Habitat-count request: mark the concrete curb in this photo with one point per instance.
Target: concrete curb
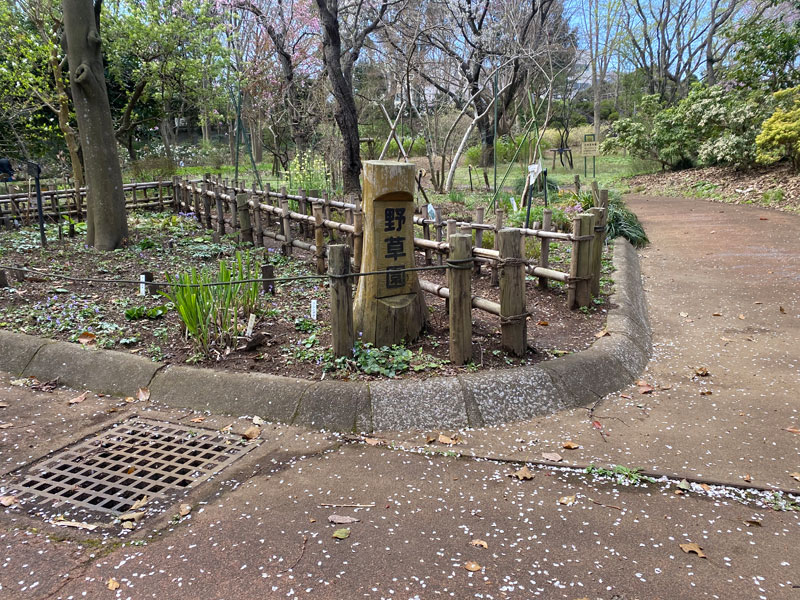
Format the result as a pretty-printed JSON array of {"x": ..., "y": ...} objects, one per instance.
[{"x": 471, "y": 400}]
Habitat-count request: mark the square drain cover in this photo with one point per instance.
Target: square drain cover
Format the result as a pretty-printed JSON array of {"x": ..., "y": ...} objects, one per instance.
[{"x": 139, "y": 457}]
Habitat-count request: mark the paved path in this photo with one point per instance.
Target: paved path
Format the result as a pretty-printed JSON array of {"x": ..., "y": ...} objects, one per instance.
[
  {"x": 260, "y": 530},
  {"x": 742, "y": 264}
]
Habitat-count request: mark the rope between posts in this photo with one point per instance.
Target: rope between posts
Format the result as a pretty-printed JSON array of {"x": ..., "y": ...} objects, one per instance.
[
  {"x": 451, "y": 264},
  {"x": 514, "y": 318}
]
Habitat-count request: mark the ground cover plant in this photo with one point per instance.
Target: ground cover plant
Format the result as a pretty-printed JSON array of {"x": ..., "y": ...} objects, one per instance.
[{"x": 208, "y": 325}]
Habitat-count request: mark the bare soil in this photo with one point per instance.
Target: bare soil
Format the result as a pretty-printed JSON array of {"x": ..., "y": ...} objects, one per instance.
[{"x": 292, "y": 344}]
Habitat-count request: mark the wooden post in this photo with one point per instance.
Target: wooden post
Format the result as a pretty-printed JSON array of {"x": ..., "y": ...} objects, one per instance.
[
  {"x": 438, "y": 226},
  {"x": 160, "y": 193},
  {"x": 319, "y": 239},
  {"x": 544, "y": 256},
  {"x": 426, "y": 233},
  {"x": 286, "y": 224},
  {"x": 351, "y": 220},
  {"x": 206, "y": 204},
  {"x": 577, "y": 184},
  {"x": 479, "y": 214},
  {"x": 258, "y": 236},
  {"x": 302, "y": 209},
  {"x": 578, "y": 293},
  {"x": 133, "y": 196},
  {"x": 220, "y": 211},
  {"x": 268, "y": 272},
  {"x": 358, "y": 239},
  {"x": 452, "y": 228},
  {"x": 513, "y": 311},
  {"x": 268, "y": 202},
  {"x": 596, "y": 252},
  {"x": 459, "y": 280},
  {"x": 245, "y": 228},
  {"x": 342, "y": 330},
  {"x": 3, "y": 279},
  {"x": 495, "y": 280},
  {"x": 327, "y": 214},
  {"x": 196, "y": 203},
  {"x": 389, "y": 308},
  {"x": 175, "y": 187}
]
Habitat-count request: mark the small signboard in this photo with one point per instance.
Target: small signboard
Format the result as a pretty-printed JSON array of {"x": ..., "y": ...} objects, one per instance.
[
  {"x": 534, "y": 171},
  {"x": 590, "y": 148}
]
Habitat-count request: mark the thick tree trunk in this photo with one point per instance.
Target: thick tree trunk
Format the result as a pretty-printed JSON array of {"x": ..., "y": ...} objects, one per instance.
[
  {"x": 107, "y": 227},
  {"x": 346, "y": 114}
]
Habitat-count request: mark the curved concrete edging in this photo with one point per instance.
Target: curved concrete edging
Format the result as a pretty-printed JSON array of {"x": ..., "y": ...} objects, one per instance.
[{"x": 470, "y": 400}]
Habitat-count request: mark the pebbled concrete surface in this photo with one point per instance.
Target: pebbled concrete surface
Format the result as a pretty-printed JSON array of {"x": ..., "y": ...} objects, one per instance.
[{"x": 740, "y": 262}]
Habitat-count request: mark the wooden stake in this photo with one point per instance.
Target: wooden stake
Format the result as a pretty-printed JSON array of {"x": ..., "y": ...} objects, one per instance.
[
  {"x": 206, "y": 204},
  {"x": 245, "y": 227},
  {"x": 341, "y": 301},
  {"x": 358, "y": 239},
  {"x": 495, "y": 280},
  {"x": 596, "y": 251},
  {"x": 544, "y": 256},
  {"x": 513, "y": 317},
  {"x": 220, "y": 211},
  {"x": 286, "y": 223},
  {"x": 268, "y": 272},
  {"x": 479, "y": 214},
  {"x": 460, "y": 282},
  {"x": 319, "y": 239}
]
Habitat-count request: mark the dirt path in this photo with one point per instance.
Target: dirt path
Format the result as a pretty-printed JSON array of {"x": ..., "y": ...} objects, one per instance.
[{"x": 743, "y": 264}]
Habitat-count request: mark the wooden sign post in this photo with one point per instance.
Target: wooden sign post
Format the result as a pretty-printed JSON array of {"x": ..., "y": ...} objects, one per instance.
[{"x": 388, "y": 308}]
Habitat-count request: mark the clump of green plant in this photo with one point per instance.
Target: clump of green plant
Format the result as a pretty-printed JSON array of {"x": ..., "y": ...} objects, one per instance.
[
  {"x": 308, "y": 171},
  {"x": 305, "y": 324},
  {"x": 210, "y": 302},
  {"x": 773, "y": 196},
  {"x": 621, "y": 474},
  {"x": 141, "y": 312},
  {"x": 623, "y": 222},
  {"x": 780, "y": 133},
  {"x": 779, "y": 501}
]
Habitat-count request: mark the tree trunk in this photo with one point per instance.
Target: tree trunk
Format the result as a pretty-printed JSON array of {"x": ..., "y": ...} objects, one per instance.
[
  {"x": 341, "y": 80},
  {"x": 107, "y": 227},
  {"x": 70, "y": 137}
]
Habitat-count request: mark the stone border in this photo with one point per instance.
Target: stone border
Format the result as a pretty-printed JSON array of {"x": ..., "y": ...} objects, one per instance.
[{"x": 470, "y": 400}]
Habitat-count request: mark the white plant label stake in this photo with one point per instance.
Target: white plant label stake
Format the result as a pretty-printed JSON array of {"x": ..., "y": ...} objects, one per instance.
[
  {"x": 141, "y": 285},
  {"x": 250, "y": 324},
  {"x": 314, "y": 310}
]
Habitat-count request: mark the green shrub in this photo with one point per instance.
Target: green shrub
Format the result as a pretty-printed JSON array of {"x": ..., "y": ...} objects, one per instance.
[
  {"x": 308, "y": 172},
  {"x": 780, "y": 133},
  {"x": 623, "y": 222},
  {"x": 211, "y": 313}
]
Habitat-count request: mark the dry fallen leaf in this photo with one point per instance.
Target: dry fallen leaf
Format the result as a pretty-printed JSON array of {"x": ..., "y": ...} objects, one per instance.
[
  {"x": 184, "y": 509},
  {"x": 373, "y": 442},
  {"x": 430, "y": 438},
  {"x": 252, "y": 432},
  {"x": 795, "y": 476},
  {"x": 568, "y": 500},
  {"x": 597, "y": 424},
  {"x": 112, "y": 584},
  {"x": 552, "y": 456},
  {"x": 678, "y": 492},
  {"x": 258, "y": 420},
  {"x": 3, "y": 404},
  {"x": 684, "y": 314},
  {"x": 130, "y": 470},
  {"x": 449, "y": 440},
  {"x": 522, "y": 474},
  {"x": 8, "y": 500},
  {"x": 646, "y": 389},
  {"x": 747, "y": 477},
  {"x": 133, "y": 516},
  {"x": 705, "y": 487},
  {"x": 701, "y": 372},
  {"x": 342, "y": 520},
  {"x": 479, "y": 544},
  {"x": 783, "y": 310},
  {"x": 706, "y": 393},
  {"x": 602, "y": 333},
  {"x": 143, "y": 394},
  {"x": 197, "y": 420},
  {"x": 543, "y": 323},
  {"x": 693, "y": 548},
  {"x": 570, "y": 445},
  {"x": 6, "y": 425},
  {"x": 752, "y": 523},
  {"x": 792, "y": 429},
  {"x": 140, "y": 503},
  {"x": 472, "y": 566},
  {"x": 79, "y": 399},
  {"x": 87, "y": 338},
  {"x": 626, "y": 396},
  {"x": 130, "y": 399},
  {"x": 716, "y": 314},
  {"x": 76, "y": 524}
]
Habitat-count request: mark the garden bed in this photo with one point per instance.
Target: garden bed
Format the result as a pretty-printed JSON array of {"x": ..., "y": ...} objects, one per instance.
[{"x": 285, "y": 340}]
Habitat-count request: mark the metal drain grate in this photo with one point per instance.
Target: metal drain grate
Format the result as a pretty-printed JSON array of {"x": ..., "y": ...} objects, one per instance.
[{"x": 112, "y": 470}]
